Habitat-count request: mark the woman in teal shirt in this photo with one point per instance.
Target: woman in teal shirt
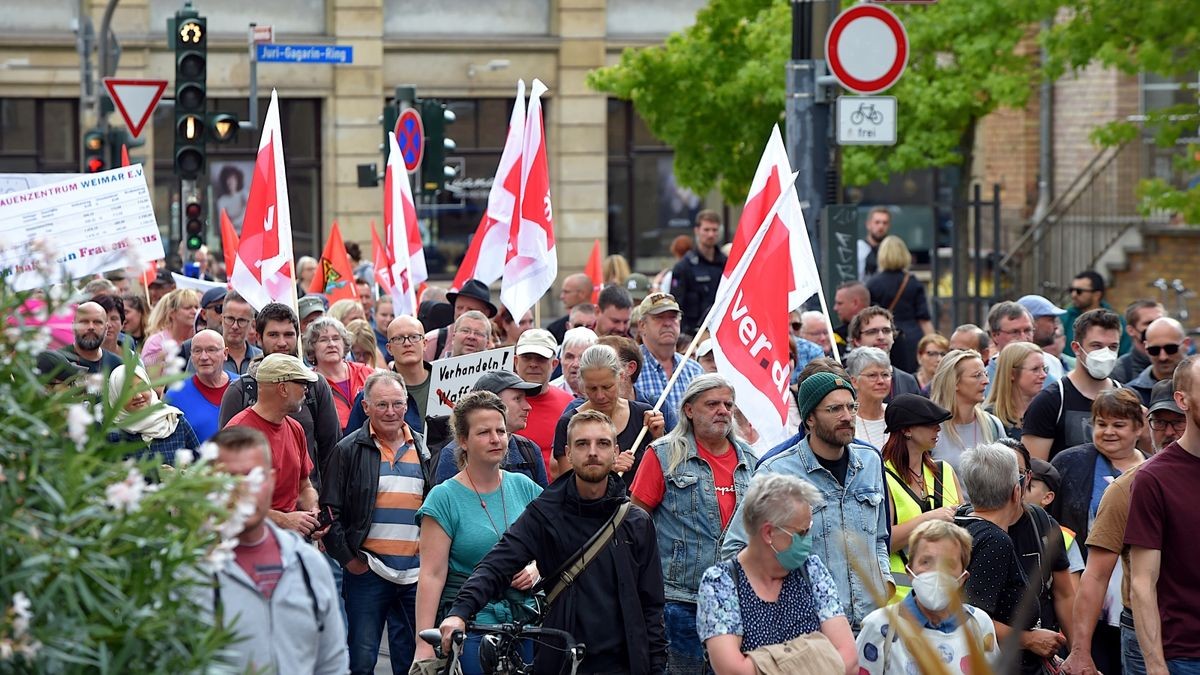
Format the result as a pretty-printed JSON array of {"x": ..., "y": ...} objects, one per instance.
[{"x": 462, "y": 518}]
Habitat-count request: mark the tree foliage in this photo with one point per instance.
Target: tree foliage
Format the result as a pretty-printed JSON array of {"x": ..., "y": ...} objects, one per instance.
[{"x": 713, "y": 90}]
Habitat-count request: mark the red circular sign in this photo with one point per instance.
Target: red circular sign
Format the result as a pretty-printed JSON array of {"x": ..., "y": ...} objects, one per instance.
[
  {"x": 410, "y": 136},
  {"x": 867, "y": 49}
]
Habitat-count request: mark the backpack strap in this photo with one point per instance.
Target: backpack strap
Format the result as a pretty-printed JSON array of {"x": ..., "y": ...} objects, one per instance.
[
  {"x": 443, "y": 333},
  {"x": 312, "y": 595},
  {"x": 899, "y": 292},
  {"x": 579, "y": 562},
  {"x": 938, "y": 487}
]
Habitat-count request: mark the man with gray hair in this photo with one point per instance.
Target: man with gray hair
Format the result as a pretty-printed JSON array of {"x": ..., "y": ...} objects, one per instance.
[
  {"x": 575, "y": 342},
  {"x": 472, "y": 331},
  {"x": 850, "y": 532},
  {"x": 814, "y": 327},
  {"x": 970, "y": 336},
  {"x": 996, "y": 581},
  {"x": 1008, "y": 322},
  {"x": 690, "y": 482}
]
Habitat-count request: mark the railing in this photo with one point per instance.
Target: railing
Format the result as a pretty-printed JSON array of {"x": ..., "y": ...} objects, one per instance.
[{"x": 1081, "y": 224}]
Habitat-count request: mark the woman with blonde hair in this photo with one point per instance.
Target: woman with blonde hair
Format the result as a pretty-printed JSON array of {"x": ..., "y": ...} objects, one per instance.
[
  {"x": 958, "y": 386},
  {"x": 364, "y": 348},
  {"x": 172, "y": 319},
  {"x": 1020, "y": 372},
  {"x": 897, "y": 289},
  {"x": 346, "y": 310},
  {"x": 616, "y": 269}
]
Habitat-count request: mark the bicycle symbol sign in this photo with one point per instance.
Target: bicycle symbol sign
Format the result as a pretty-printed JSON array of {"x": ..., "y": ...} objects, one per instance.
[
  {"x": 866, "y": 120},
  {"x": 410, "y": 136}
]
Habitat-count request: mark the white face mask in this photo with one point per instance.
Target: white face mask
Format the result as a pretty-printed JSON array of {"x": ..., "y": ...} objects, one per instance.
[
  {"x": 1100, "y": 363},
  {"x": 935, "y": 588}
]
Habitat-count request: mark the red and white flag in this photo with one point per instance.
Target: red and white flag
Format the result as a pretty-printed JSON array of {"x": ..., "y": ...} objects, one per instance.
[
  {"x": 401, "y": 236},
  {"x": 383, "y": 276},
  {"x": 749, "y": 323},
  {"x": 531, "y": 265},
  {"x": 262, "y": 272},
  {"x": 770, "y": 182},
  {"x": 487, "y": 253}
]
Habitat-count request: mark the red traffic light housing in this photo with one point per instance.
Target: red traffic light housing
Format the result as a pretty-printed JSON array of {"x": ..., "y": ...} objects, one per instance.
[
  {"x": 193, "y": 224},
  {"x": 93, "y": 151}
]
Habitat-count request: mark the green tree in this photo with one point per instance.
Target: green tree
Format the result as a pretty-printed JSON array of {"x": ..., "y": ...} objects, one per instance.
[
  {"x": 1140, "y": 37},
  {"x": 713, "y": 90}
]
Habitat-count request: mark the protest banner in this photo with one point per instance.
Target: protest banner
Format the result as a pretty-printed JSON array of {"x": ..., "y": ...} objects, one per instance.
[
  {"x": 452, "y": 377},
  {"x": 80, "y": 226},
  {"x": 183, "y": 281}
]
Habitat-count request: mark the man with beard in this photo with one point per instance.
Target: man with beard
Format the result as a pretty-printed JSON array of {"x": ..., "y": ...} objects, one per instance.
[
  {"x": 1166, "y": 343},
  {"x": 91, "y": 324},
  {"x": 659, "y": 328},
  {"x": 691, "y": 482},
  {"x": 615, "y": 605},
  {"x": 850, "y": 532}
]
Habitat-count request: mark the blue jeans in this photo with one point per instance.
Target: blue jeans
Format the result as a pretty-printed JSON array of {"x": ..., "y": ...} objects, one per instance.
[
  {"x": 1131, "y": 651},
  {"x": 370, "y": 600},
  {"x": 1184, "y": 666},
  {"x": 685, "y": 654}
]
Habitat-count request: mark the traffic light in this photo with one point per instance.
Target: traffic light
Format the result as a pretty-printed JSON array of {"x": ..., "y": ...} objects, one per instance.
[
  {"x": 190, "y": 36},
  {"x": 223, "y": 127},
  {"x": 435, "y": 116},
  {"x": 94, "y": 160},
  {"x": 193, "y": 223},
  {"x": 120, "y": 136}
]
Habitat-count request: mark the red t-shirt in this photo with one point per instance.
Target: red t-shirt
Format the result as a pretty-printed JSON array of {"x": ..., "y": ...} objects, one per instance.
[
  {"x": 262, "y": 563},
  {"x": 545, "y": 409},
  {"x": 1162, "y": 516},
  {"x": 649, "y": 484},
  {"x": 289, "y": 455},
  {"x": 211, "y": 394}
]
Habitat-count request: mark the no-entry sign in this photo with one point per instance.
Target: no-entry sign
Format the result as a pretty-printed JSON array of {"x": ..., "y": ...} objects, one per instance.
[{"x": 867, "y": 49}]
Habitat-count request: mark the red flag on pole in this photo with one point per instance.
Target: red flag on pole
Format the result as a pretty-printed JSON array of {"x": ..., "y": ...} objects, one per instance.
[
  {"x": 229, "y": 243},
  {"x": 262, "y": 272},
  {"x": 532, "y": 261},
  {"x": 487, "y": 253},
  {"x": 595, "y": 271},
  {"x": 124, "y": 155},
  {"x": 335, "y": 275}
]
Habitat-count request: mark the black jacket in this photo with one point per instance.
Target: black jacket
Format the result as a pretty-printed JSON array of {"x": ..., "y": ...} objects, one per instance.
[
  {"x": 615, "y": 607},
  {"x": 351, "y": 486},
  {"x": 1130, "y": 366},
  {"x": 694, "y": 281},
  {"x": 1073, "y": 499}
]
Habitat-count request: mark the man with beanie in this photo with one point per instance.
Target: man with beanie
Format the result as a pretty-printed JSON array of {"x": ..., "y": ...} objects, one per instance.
[{"x": 850, "y": 532}]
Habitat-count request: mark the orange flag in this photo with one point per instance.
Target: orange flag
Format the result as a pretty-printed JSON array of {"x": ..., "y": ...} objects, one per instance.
[
  {"x": 595, "y": 270},
  {"x": 229, "y": 242},
  {"x": 124, "y": 155},
  {"x": 335, "y": 276}
]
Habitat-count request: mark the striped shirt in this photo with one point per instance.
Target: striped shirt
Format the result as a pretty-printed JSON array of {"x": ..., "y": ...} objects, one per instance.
[
  {"x": 392, "y": 542},
  {"x": 653, "y": 379}
]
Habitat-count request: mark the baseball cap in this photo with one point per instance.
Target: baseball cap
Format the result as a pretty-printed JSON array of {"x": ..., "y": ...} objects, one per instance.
[
  {"x": 1045, "y": 472},
  {"x": 212, "y": 295},
  {"x": 55, "y": 368},
  {"x": 1162, "y": 397},
  {"x": 309, "y": 304},
  {"x": 283, "y": 368},
  {"x": 497, "y": 381},
  {"x": 537, "y": 341},
  {"x": 163, "y": 278},
  {"x": 638, "y": 286},
  {"x": 705, "y": 348},
  {"x": 1040, "y": 306},
  {"x": 657, "y": 303}
]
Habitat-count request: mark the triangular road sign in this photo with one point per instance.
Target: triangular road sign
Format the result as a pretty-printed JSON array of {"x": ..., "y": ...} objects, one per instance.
[{"x": 135, "y": 100}]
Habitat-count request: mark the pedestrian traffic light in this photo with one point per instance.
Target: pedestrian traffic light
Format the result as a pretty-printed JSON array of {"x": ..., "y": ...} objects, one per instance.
[
  {"x": 435, "y": 117},
  {"x": 94, "y": 160},
  {"x": 190, "y": 34},
  {"x": 193, "y": 223}
]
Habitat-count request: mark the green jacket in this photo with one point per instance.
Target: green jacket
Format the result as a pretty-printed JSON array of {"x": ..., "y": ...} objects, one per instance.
[{"x": 1073, "y": 313}]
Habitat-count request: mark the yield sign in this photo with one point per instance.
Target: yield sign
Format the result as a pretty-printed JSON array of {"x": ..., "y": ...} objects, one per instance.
[
  {"x": 410, "y": 136},
  {"x": 135, "y": 100}
]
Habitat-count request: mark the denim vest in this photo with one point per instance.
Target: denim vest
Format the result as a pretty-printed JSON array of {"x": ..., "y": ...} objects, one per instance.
[
  {"x": 851, "y": 524},
  {"x": 688, "y": 520}
]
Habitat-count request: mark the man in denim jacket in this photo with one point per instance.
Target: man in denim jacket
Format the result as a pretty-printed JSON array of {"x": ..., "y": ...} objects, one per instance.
[
  {"x": 850, "y": 528},
  {"x": 691, "y": 481}
]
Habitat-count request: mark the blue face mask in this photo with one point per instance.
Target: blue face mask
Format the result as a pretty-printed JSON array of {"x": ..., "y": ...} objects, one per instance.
[{"x": 794, "y": 555}]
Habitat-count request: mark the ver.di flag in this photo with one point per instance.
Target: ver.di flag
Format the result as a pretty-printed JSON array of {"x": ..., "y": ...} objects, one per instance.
[
  {"x": 487, "y": 253},
  {"x": 749, "y": 324},
  {"x": 262, "y": 272},
  {"x": 335, "y": 277},
  {"x": 532, "y": 263}
]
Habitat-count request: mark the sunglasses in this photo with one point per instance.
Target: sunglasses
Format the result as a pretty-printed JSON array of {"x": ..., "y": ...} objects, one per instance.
[
  {"x": 1171, "y": 349},
  {"x": 1078, "y": 291},
  {"x": 796, "y": 325}
]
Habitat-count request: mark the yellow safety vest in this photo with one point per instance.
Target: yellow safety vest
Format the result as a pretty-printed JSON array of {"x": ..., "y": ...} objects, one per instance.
[{"x": 906, "y": 506}]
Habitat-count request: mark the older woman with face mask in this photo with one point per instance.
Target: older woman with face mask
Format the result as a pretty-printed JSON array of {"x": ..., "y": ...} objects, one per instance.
[
  {"x": 161, "y": 429},
  {"x": 934, "y": 613},
  {"x": 774, "y": 591}
]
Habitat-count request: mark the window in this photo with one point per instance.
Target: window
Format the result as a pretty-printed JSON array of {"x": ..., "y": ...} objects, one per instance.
[
  {"x": 1160, "y": 92},
  {"x": 39, "y": 135}
]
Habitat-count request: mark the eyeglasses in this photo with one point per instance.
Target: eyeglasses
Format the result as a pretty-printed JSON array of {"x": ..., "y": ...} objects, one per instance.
[
  {"x": 875, "y": 377},
  {"x": 472, "y": 331},
  {"x": 1160, "y": 424},
  {"x": 978, "y": 375},
  {"x": 208, "y": 350},
  {"x": 1017, "y": 332},
  {"x": 936, "y": 354},
  {"x": 838, "y": 409},
  {"x": 328, "y": 340},
  {"x": 406, "y": 339},
  {"x": 872, "y": 332},
  {"x": 234, "y": 321},
  {"x": 1170, "y": 349},
  {"x": 384, "y": 406},
  {"x": 1035, "y": 369},
  {"x": 1078, "y": 291},
  {"x": 216, "y": 308}
]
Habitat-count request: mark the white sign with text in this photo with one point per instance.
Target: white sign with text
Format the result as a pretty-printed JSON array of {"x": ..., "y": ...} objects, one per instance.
[{"x": 452, "y": 377}]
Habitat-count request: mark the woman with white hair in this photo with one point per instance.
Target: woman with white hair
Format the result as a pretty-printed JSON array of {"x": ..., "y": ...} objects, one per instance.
[
  {"x": 161, "y": 429},
  {"x": 775, "y": 591},
  {"x": 870, "y": 370},
  {"x": 326, "y": 343}
]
